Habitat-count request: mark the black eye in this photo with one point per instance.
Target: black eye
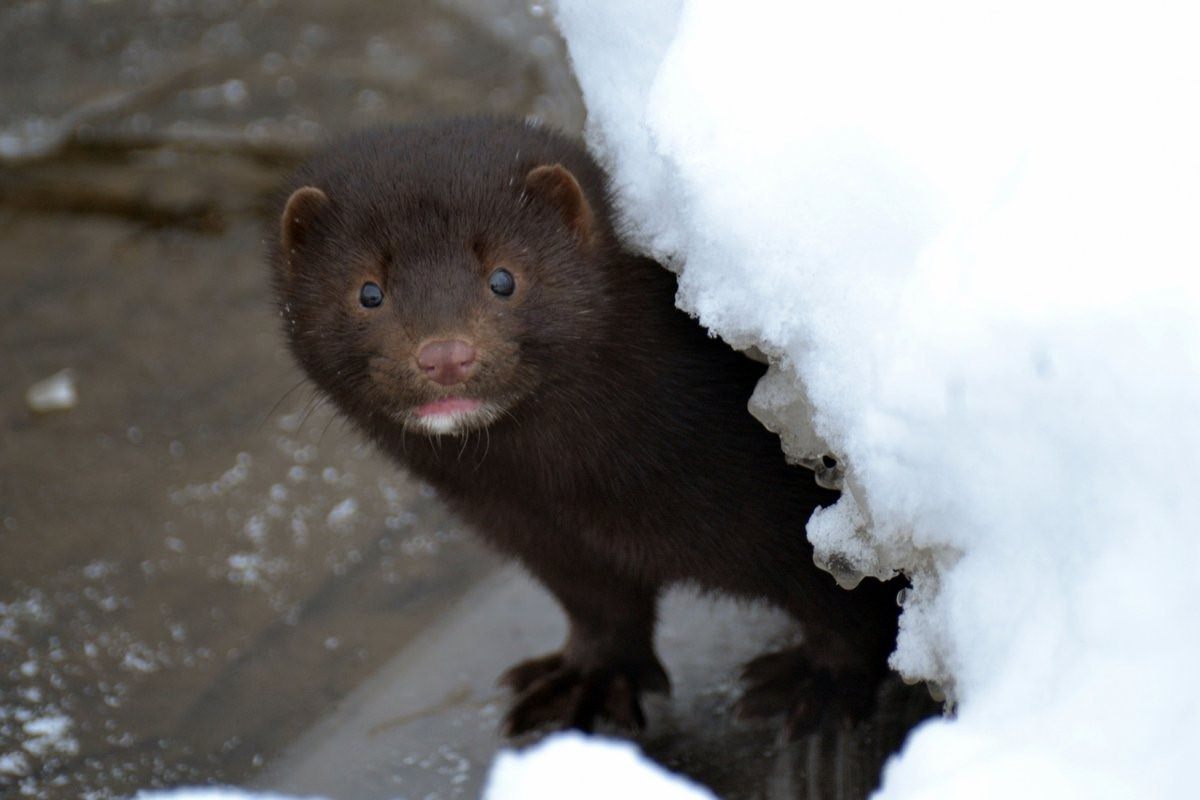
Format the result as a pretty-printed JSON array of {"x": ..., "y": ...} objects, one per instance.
[
  {"x": 502, "y": 282},
  {"x": 370, "y": 295}
]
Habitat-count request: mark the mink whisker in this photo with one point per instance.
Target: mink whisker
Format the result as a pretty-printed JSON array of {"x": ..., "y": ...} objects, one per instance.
[
  {"x": 278, "y": 403},
  {"x": 315, "y": 401},
  {"x": 332, "y": 417}
]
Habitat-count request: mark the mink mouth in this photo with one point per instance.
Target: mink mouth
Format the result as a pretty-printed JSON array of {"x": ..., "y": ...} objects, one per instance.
[
  {"x": 425, "y": 409},
  {"x": 453, "y": 415},
  {"x": 448, "y": 406}
]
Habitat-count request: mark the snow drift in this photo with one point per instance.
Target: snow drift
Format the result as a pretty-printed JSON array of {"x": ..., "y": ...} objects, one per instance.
[{"x": 966, "y": 237}]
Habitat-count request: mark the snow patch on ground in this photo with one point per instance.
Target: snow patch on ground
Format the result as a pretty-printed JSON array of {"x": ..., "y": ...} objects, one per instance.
[
  {"x": 584, "y": 768},
  {"x": 50, "y": 733},
  {"x": 965, "y": 239},
  {"x": 342, "y": 515}
]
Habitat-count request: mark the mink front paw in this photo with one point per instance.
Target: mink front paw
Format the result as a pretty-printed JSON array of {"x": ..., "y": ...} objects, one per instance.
[
  {"x": 787, "y": 683},
  {"x": 553, "y": 691}
]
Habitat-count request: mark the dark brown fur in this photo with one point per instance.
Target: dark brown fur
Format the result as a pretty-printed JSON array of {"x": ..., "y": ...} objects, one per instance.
[{"x": 624, "y": 460}]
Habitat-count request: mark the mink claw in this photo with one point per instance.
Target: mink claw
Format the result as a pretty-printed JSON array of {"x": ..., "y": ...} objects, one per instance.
[
  {"x": 522, "y": 675},
  {"x": 786, "y": 684},
  {"x": 651, "y": 677},
  {"x": 552, "y": 693},
  {"x": 549, "y": 701}
]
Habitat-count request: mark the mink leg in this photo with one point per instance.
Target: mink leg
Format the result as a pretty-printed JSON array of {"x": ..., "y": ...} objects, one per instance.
[{"x": 606, "y": 663}]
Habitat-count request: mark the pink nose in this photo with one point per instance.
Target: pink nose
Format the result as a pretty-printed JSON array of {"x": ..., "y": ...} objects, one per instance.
[{"x": 447, "y": 362}]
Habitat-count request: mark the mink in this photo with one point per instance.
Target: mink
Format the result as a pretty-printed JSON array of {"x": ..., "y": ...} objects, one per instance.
[{"x": 460, "y": 290}]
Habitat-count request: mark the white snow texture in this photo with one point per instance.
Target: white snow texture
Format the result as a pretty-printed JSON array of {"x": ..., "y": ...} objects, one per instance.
[
  {"x": 584, "y": 768},
  {"x": 966, "y": 236}
]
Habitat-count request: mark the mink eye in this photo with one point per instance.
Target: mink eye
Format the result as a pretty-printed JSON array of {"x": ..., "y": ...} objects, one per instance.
[
  {"x": 502, "y": 282},
  {"x": 370, "y": 295}
]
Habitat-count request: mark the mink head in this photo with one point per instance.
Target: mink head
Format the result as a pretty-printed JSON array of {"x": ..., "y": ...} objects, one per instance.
[{"x": 438, "y": 277}]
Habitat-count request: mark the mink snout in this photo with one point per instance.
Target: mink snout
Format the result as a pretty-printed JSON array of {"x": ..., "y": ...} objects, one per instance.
[{"x": 448, "y": 362}]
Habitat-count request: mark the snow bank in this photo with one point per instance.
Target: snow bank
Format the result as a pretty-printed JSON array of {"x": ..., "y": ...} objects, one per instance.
[
  {"x": 584, "y": 768},
  {"x": 966, "y": 237}
]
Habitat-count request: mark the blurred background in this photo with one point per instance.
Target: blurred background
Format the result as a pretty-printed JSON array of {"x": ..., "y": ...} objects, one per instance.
[
  {"x": 204, "y": 576},
  {"x": 196, "y": 560}
]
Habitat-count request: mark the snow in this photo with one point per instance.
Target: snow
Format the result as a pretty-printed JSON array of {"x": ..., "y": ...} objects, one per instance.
[
  {"x": 341, "y": 516},
  {"x": 14, "y": 764},
  {"x": 964, "y": 235},
  {"x": 50, "y": 733},
  {"x": 56, "y": 393},
  {"x": 584, "y": 768}
]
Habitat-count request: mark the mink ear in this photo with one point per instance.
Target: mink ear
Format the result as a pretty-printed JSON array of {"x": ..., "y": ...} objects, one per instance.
[
  {"x": 297, "y": 220},
  {"x": 556, "y": 184}
]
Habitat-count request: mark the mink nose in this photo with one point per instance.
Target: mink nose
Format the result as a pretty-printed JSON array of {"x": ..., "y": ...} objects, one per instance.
[{"x": 447, "y": 361}]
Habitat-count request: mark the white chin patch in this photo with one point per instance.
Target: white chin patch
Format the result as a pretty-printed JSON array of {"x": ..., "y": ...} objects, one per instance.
[{"x": 454, "y": 422}]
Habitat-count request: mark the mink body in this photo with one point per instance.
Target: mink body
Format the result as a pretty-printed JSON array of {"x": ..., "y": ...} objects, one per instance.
[{"x": 578, "y": 420}]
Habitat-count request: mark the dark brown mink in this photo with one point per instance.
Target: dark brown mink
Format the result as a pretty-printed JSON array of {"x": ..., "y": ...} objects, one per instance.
[{"x": 458, "y": 289}]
